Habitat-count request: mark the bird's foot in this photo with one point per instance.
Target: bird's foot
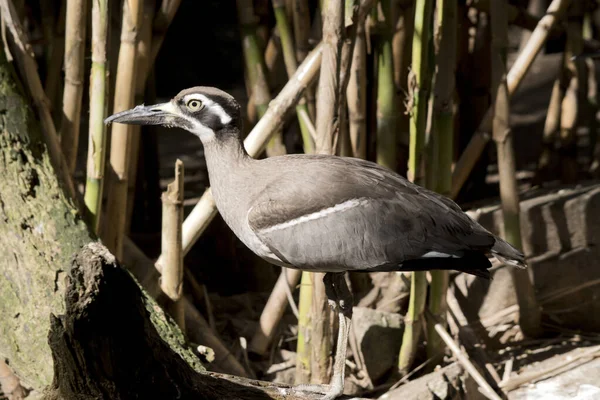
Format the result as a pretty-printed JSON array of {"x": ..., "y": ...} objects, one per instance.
[{"x": 319, "y": 392}]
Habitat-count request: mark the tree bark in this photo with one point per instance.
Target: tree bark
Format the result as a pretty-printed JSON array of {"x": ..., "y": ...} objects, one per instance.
[{"x": 114, "y": 342}]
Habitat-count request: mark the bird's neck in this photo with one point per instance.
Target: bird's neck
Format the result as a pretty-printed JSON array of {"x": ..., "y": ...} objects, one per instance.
[{"x": 225, "y": 157}]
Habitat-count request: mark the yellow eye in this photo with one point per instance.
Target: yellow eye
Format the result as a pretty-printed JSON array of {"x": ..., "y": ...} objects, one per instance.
[{"x": 194, "y": 105}]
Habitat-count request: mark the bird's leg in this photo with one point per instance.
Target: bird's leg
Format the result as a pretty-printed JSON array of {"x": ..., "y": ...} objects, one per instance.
[{"x": 339, "y": 297}]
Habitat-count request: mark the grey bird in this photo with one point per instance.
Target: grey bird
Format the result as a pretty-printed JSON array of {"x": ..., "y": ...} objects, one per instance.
[{"x": 324, "y": 213}]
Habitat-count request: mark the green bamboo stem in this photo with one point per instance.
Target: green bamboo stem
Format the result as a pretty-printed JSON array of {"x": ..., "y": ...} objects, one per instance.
[
  {"x": 440, "y": 173},
  {"x": 419, "y": 89},
  {"x": 387, "y": 110},
  {"x": 303, "y": 366},
  {"x": 256, "y": 70},
  {"x": 291, "y": 64},
  {"x": 529, "y": 310},
  {"x": 98, "y": 106}
]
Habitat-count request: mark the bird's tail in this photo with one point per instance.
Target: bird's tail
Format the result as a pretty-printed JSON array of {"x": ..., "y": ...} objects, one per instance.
[{"x": 508, "y": 254}]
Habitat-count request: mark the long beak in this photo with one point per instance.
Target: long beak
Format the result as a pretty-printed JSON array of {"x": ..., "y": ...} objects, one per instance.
[{"x": 157, "y": 114}]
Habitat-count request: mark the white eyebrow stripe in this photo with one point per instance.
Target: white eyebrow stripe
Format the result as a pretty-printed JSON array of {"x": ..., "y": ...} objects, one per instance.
[{"x": 208, "y": 103}]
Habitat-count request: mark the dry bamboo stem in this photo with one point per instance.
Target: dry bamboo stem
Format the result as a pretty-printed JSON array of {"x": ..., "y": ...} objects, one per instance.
[
  {"x": 10, "y": 385},
  {"x": 329, "y": 80},
  {"x": 356, "y": 95},
  {"x": 442, "y": 148},
  {"x": 551, "y": 127},
  {"x": 172, "y": 219},
  {"x": 256, "y": 70},
  {"x": 97, "y": 130},
  {"x": 273, "y": 311},
  {"x": 144, "y": 51},
  {"x": 116, "y": 208},
  {"x": 73, "y": 90},
  {"x": 530, "y": 313},
  {"x": 571, "y": 107},
  {"x": 463, "y": 358},
  {"x": 326, "y": 142},
  {"x": 28, "y": 70},
  {"x": 515, "y": 76},
  {"x": 171, "y": 280},
  {"x": 255, "y": 142}
]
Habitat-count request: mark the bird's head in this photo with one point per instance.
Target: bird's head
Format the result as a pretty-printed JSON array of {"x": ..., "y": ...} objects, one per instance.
[{"x": 204, "y": 111}]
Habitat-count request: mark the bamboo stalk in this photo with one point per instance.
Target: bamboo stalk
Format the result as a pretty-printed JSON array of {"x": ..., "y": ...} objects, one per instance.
[
  {"x": 419, "y": 89},
  {"x": 73, "y": 90},
  {"x": 162, "y": 21},
  {"x": 53, "y": 79},
  {"x": 289, "y": 57},
  {"x": 571, "y": 107},
  {"x": 116, "y": 208},
  {"x": 356, "y": 95},
  {"x": 328, "y": 94},
  {"x": 442, "y": 142},
  {"x": 551, "y": 128},
  {"x": 144, "y": 52},
  {"x": 329, "y": 80},
  {"x": 387, "y": 109},
  {"x": 171, "y": 280},
  {"x": 273, "y": 311},
  {"x": 94, "y": 185},
  {"x": 255, "y": 70},
  {"x": 303, "y": 350},
  {"x": 530, "y": 313},
  {"x": 28, "y": 70},
  {"x": 302, "y": 31},
  {"x": 403, "y": 12},
  {"x": 472, "y": 152}
]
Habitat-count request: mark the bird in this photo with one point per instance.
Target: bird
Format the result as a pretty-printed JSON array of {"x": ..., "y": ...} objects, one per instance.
[{"x": 324, "y": 213}]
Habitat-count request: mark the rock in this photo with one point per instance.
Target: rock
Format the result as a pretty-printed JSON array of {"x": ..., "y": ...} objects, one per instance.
[
  {"x": 560, "y": 233},
  {"x": 379, "y": 335}
]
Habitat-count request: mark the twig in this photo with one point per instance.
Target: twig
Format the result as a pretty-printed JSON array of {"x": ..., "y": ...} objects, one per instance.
[
  {"x": 28, "y": 70},
  {"x": 462, "y": 358}
]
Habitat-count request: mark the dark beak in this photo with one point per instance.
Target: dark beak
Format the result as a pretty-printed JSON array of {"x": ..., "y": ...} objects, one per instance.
[{"x": 157, "y": 114}]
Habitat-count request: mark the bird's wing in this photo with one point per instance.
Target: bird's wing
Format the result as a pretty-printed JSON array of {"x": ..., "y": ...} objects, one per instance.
[{"x": 333, "y": 213}]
